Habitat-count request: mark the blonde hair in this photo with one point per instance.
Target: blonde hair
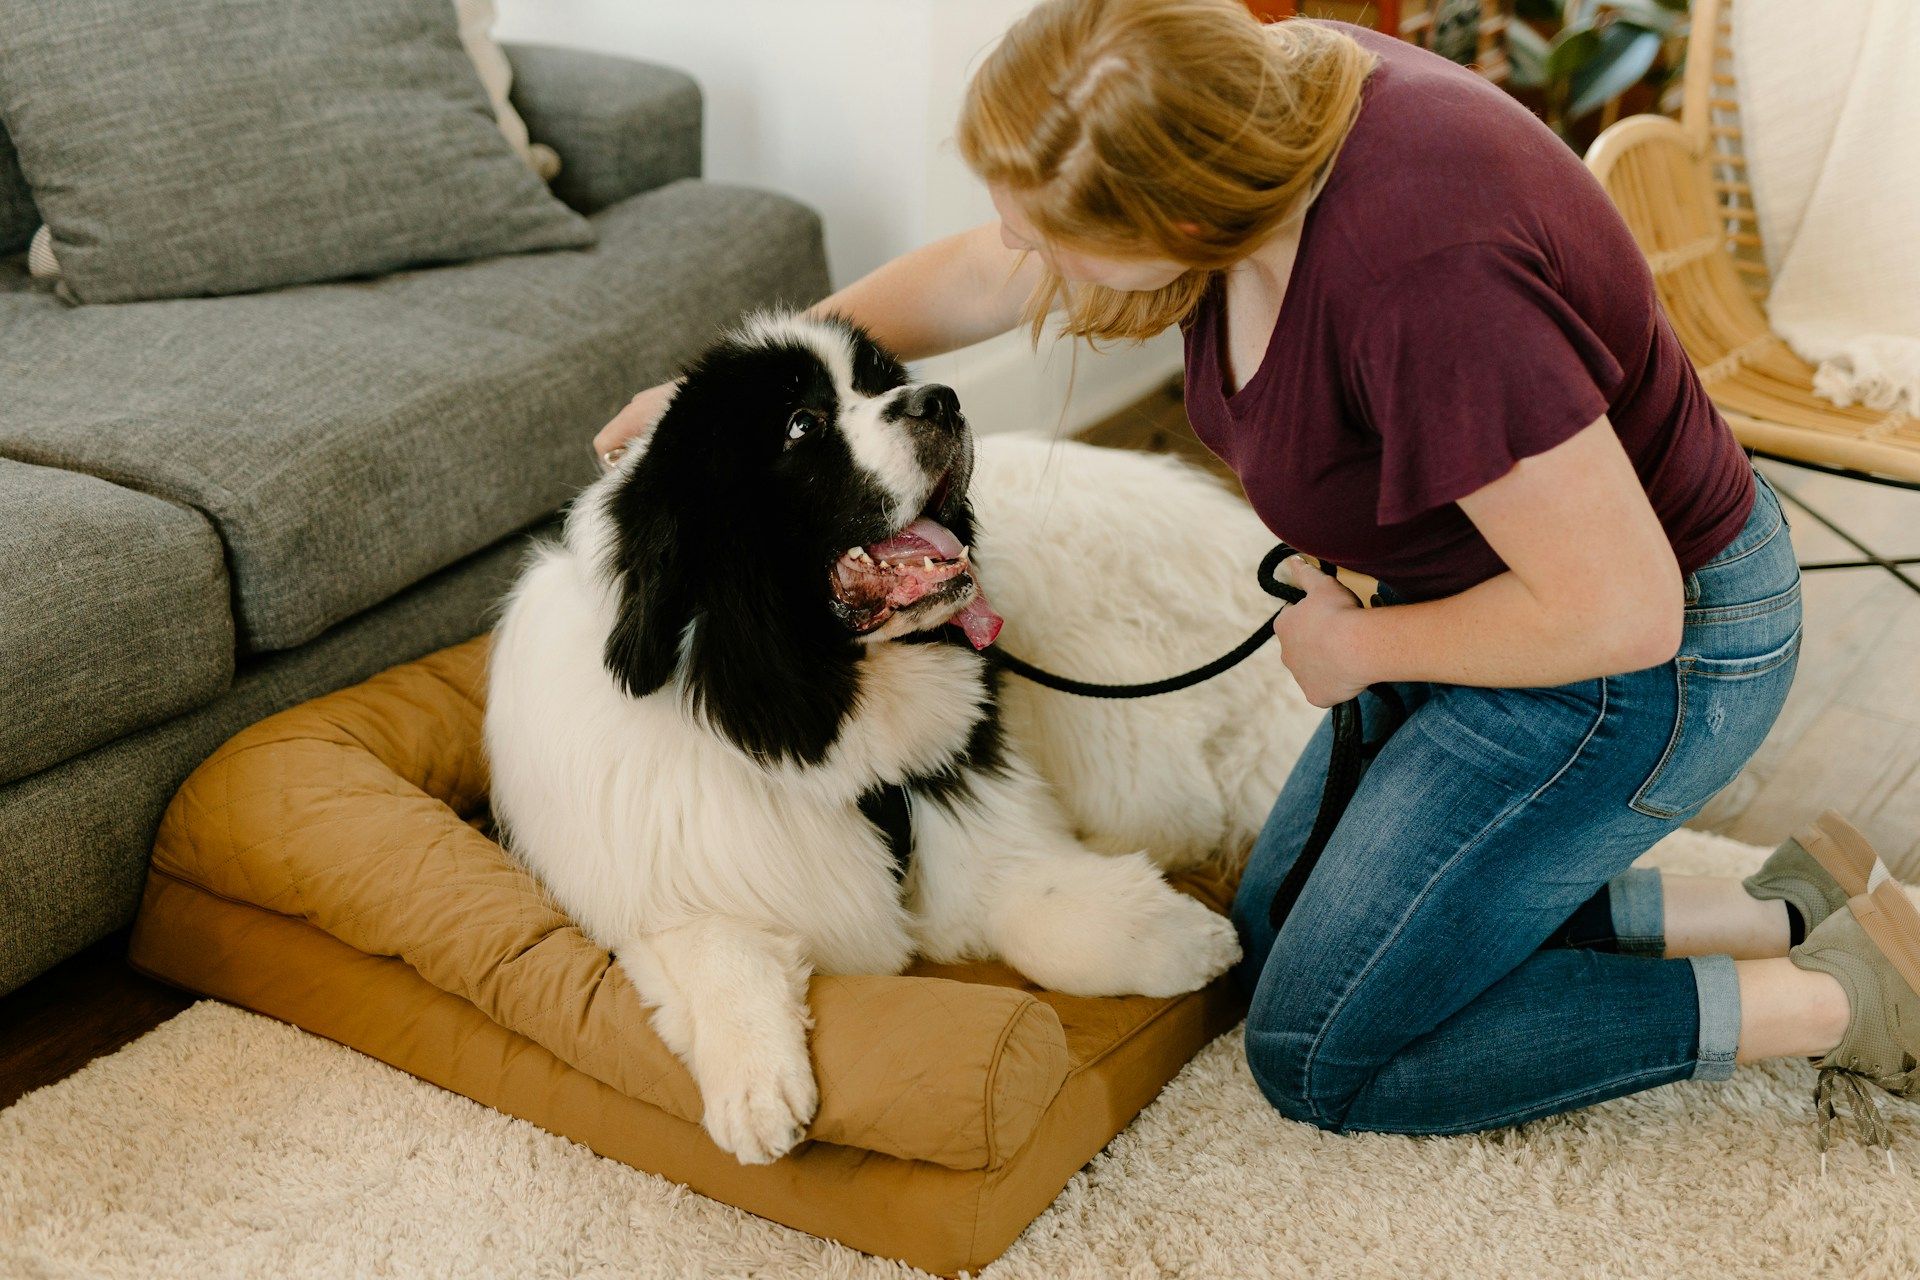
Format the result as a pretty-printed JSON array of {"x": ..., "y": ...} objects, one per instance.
[{"x": 1115, "y": 122}]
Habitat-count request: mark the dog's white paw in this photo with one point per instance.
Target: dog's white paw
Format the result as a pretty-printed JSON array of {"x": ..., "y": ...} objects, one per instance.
[
  {"x": 759, "y": 1104},
  {"x": 1089, "y": 925},
  {"x": 1179, "y": 946}
]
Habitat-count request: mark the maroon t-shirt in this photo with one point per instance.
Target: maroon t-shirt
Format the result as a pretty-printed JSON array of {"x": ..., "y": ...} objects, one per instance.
[{"x": 1464, "y": 296}]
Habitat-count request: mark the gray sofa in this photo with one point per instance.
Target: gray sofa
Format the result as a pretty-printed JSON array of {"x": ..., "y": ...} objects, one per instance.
[{"x": 211, "y": 509}]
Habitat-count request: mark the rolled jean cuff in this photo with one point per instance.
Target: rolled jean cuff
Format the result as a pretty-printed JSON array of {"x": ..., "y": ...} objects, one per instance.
[
  {"x": 1639, "y": 913},
  {"x": 1717, "y": 989}
]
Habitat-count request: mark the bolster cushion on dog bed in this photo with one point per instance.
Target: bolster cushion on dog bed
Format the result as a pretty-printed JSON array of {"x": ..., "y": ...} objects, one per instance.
[{"x": 333, "y": 866}]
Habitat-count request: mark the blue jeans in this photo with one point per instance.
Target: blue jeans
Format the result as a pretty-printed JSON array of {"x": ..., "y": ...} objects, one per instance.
[{"x": 1410, "y": 990}]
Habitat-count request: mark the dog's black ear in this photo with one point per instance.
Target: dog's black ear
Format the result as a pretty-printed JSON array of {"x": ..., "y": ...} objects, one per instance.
[
  {"x": 771, "y": 668},
  {"x": 649, "y": 563}
]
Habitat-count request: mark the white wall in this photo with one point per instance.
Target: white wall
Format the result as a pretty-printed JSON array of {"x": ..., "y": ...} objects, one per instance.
[{"x": 849, "y": 106}]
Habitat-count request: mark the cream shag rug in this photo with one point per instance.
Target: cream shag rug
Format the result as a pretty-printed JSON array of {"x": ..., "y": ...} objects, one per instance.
[{"x": 225, "y": 1144}]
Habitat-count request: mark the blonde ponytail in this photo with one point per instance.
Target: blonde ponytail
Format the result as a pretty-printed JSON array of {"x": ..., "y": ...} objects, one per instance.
[{"x": 1179, "y": 129}]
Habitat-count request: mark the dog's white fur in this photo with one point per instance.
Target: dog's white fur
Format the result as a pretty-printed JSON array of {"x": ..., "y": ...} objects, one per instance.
[
  {"x": 1117, "y": 566},
  {"x": 721, "y": 882}
]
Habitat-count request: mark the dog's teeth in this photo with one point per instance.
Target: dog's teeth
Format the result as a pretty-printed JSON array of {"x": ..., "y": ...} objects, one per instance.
[
  {"x": 926, "y": 562},
  {"x": 853, "y": 553},
  {"x": 964, "y": 551}
]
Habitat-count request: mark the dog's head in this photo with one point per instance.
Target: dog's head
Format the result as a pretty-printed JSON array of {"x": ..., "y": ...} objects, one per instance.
[{"x": 799, "y": 499}]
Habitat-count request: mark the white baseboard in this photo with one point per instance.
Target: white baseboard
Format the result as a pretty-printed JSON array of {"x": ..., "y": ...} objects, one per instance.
[{"x": 1004, "y": 385}]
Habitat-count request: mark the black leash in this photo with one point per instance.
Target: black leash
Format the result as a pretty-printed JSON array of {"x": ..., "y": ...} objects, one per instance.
[
  {"x": 1350, "y": 753},
  {"x": 1269, "y": 583}
]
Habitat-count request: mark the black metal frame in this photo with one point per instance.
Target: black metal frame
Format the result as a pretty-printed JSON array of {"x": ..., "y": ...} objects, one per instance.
[{"x": 1874, "y": 560}]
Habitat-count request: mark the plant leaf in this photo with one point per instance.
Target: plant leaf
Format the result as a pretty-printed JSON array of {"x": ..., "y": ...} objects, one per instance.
[
  {"x": 1651, "y": 14},
  {"x": 1527, "y": 53},
  {"x": 1624, "y": 54},
  {"x": 1571, "y": 50},
  {"x": 1537, "y": 10}
]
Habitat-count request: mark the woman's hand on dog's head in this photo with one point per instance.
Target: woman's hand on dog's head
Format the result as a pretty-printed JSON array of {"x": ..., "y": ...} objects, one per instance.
[{"x": 632, "y": 422}]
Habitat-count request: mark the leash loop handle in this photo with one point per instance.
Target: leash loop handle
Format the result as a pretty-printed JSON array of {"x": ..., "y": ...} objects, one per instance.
[
  {"x": 1269, "y": 575},
  {"x": 1364, "y": 589}
]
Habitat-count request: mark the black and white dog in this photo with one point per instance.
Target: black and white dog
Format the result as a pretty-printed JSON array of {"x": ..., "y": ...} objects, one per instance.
[{"x": 767, "y": 615}]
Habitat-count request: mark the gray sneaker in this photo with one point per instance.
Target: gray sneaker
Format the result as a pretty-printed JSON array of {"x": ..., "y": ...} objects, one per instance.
[
  {"x": 1817, "y": 869},
  {"x": 1873, "y": 950}
]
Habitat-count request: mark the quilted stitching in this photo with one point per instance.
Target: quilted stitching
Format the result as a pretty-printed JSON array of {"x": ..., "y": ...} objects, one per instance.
[{"x": 346, "y": 812}]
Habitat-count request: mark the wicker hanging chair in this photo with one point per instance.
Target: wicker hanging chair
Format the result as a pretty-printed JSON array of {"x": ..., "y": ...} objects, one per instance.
[{"x": 1684, "y": 190}]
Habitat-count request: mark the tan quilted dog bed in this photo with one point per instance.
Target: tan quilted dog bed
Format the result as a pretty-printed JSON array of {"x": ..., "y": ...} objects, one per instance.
[{"x": 332, "y": 866}]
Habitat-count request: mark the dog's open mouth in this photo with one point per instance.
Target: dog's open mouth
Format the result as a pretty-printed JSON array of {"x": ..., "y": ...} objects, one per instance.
[{"x": 921, "y": 567}]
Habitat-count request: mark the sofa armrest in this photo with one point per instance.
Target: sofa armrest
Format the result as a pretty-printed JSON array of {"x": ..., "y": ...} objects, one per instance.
[{"x": 621, "y": 126}]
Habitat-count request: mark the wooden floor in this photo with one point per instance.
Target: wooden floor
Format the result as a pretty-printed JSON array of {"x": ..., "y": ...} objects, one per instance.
[
  {"x": 1848, "y": 739},
  {"x": 77, "y": 1011}
]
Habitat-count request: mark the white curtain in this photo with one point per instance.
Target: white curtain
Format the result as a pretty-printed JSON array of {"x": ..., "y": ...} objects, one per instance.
[{"x": 1830, "y": 106}]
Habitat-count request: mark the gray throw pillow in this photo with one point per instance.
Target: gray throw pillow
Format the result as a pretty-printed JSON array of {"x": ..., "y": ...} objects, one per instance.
[{"x": 183, "y": 147}]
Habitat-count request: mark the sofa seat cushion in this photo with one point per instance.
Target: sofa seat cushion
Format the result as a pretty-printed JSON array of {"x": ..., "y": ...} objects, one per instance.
[
  {"x": 348, "y": 439},
  {"x": 334, "y": 866},
  {"x": 113, "y": 614}
]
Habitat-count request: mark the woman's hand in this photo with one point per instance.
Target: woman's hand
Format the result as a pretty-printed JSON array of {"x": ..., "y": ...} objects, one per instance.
[
  {"x": 1313, "y": 634},
  {"x": 957, "y": 291},
  {"x": 631, "y": 422}
]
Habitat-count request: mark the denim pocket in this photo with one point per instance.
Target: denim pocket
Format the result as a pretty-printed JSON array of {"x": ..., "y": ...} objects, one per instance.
[{"x": 1724, "y": 708}]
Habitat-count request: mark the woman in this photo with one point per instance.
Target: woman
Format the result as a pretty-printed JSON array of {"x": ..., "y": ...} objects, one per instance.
[{"x": 1420, "y": 335}]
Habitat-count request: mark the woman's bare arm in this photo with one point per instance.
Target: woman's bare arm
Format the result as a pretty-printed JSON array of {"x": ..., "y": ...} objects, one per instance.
[
  {"x": 959, "y": 290},
  {"x": 1592, "y": 588}
]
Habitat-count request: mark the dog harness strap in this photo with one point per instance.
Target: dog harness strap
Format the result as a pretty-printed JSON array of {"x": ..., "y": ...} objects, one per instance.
[{"x": 891, "y": 812}]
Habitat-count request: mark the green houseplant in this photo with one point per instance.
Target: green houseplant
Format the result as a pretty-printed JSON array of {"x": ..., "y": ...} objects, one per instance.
[{"x": 1579, "y": 55}]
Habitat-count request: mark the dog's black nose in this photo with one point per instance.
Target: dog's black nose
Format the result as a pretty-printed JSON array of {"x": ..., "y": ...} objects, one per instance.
[{"x": 934, "y": 402}]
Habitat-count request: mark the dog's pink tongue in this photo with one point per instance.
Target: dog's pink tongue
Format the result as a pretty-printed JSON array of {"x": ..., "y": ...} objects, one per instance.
[
  {"x": 978, "y": 621},
  {"x": 923, "y": 537}
]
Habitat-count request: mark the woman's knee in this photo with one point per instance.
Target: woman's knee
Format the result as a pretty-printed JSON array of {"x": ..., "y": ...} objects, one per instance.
[{"x": 1288, "y": 1051}]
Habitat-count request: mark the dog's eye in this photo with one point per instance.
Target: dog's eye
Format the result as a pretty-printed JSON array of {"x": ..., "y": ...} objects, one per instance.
[{"x": 802, "y": 421}]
